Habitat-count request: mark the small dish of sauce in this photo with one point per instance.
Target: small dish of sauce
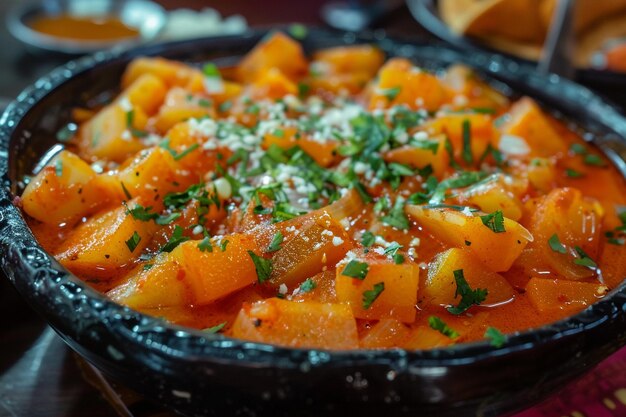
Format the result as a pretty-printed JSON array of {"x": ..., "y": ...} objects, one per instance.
[
  {"x": 96, "y": 28},
  {"x": 85, "y": 26}
]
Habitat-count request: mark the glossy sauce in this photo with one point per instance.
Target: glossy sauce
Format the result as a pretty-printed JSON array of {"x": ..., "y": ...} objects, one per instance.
[{"x": 86, "y": 29}]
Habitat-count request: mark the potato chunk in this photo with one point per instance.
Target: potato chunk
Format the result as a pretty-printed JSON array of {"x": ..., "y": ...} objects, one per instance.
[
  {"x": 497, "y": 251},
  {"x": 64, "y": 191},
  {"x": 441, "y": 287},
  {"x": 399, "y": 82},
  {"x": 321, "y": 242},
  {"x": 576, "y": 222},
  {"x": 396, "y": 300},
  {"x": 106, "y": 243},
  {"x": 302, "y": 325},
  {"x": 278, "y": 51},
  {"x": 179, "y": 106},
  {"x": 529, "y": 123},
  {"x": 552, "y": 296},
  {"x": 190, "y": 276}
]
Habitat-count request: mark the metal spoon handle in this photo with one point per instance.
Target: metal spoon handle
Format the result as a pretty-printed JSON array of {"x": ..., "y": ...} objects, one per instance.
[{"x": 557, "y": 53}]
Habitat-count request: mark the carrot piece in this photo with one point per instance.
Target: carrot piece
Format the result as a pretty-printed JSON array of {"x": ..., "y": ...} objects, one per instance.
[
  {"x": 180, "y": 105},
  {"x": 441, "y": 287},
  {"x": 64, "y": 191},
  {"x": 396, "y": 300},
  {"x": 278, "y": 51},
  {"x": 529, "y": 123},
  {"x": 108, "y": 136},
  {"x": 106, "y": 244},
  {"x": 497, "y": 251},
  {"x": 385, "y": 334},
  {"x": 171, "y": 73},
  {"x": 212, "y": 275},
  {"x": 350, "y": 59},
  {"x": 272, "y": 84},
  {"x": 481, "y": 132},
  {"x": 553, "y": 296},
  {"x": 423, "y": 337},
  {"x": 399, "y": 82},
  {"x": 294, "y": 324},
  {"x": 320, "y": 243},
  {"x": 151, "y": 175}
]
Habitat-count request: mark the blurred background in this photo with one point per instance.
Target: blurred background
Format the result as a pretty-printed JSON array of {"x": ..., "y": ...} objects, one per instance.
[{"x": 584, "y": 39}]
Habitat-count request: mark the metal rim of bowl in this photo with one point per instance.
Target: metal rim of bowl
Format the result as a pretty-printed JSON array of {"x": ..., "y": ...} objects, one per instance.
[
  {"x": 24, "y": 33},
  {"x": 21, "y": 254}
]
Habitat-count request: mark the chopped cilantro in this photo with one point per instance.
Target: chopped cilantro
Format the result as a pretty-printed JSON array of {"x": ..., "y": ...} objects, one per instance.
[
  {"x": 368, "y": 239},
  {"x": 178, "y": 156},
  {"x": 279, "y": 133},
  {"x": 392, "y": 249},
  {"x": 469, "y": 297},
  {"x": 356, "y": 269},
  {"x": 215, "y": 329},
  {"x": 390, "y": 93},
  {"x": 126, "y": 192},
  {"x": 205, "y": 245},
  {"x": 584, "y": 259},
  {"x": 436, "y": 323},
  {"x": 468, "y": 243},
  {"x": 467, "y": 142},
  {"x": 133, "y": 241},
  {"x": 572, "y": 173},
  {"x": 303, "y": 90},
  {"x": 58, "y": 168},
  {"x": 308, "y": 285},
  {"x": 163, "y": 220},
  {"x": 262, "y": 266},
  {"x": 594, "y": 160},
  {"x": 426, "y": 144},
  {"x": 203, "y": 102},
  {"x": 147, "y": 267},
  {"x": 275, "y": 243},
  {"x": 463, "y": 179},
  {"x": 497, "y": 339},
  {"x": 494, "y": 221},
  {"x": 176, "y": 239},
  {"x": 578, "y": 149},
  {"x": 396, "y": 217},
  {"x": 225, "y": 106},
  {"x": 223, "y": 245},
  {"x": 369, "y": 296},
  {"x": 211, "y": 70},
  {"x": 555, "y": 244},
  {"x": 298, "y": 31},
  {"x": 450, "y": 149}
]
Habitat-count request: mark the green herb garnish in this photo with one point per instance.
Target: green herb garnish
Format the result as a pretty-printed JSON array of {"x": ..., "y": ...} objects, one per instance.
[
  {"x": 469, "y": 297},
  {"x": 556, "y": 245},
  {"x": 436, "y": 323},
  {"x": 356, "y": 269},
  {"x": 262, "y": 266},
  {"x": 494, "y": 221},
  {"x": 497, "y": 339},
  {"x": 369, "y": 296},
  {"x": 133, "y": 241}
]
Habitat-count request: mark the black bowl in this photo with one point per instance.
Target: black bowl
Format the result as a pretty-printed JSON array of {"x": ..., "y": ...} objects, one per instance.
[{"x": 201, "y": 374}]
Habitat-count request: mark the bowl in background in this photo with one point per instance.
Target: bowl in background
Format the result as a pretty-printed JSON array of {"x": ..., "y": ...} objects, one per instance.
[{"x": 143, "y": 16}]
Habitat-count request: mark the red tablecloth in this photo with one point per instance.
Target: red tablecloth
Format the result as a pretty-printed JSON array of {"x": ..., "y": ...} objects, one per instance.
[{"x": 601, "y": 393}]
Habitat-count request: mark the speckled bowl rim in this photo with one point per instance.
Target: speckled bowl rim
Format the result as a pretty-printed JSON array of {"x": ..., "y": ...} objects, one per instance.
[{"x": 47, "y": 285}]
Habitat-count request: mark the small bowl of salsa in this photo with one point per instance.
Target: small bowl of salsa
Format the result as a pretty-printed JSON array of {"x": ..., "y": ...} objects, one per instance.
[{"x": 83, "y": 26}]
